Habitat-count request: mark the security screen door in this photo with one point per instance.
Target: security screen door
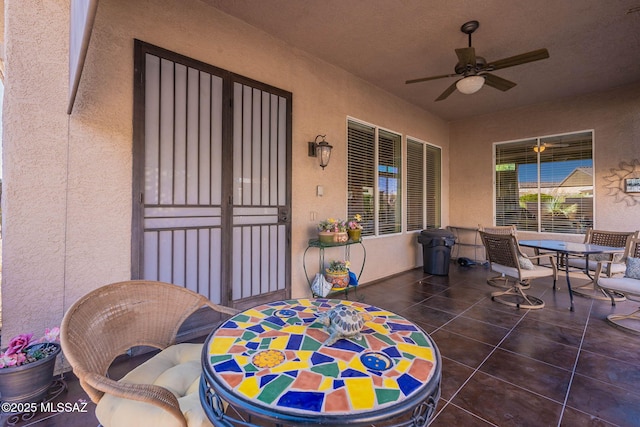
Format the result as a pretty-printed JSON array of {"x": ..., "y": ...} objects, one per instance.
[{"x": 212, "y": 180}]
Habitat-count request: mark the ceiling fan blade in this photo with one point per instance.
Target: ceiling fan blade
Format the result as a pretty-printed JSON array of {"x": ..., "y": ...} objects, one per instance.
[
  {"x": 424, "y": 79},
  {"x": 498, "y": 82},
  {"x": 467, "y": 56},
  {"x": 447, "y": 92},
  {"x": 523, "y": 58}
]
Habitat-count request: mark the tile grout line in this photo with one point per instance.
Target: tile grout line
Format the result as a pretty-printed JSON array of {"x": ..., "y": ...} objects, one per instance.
[
  {"x": 575, "y": 364},
  {"x": 495, "y": 347}
]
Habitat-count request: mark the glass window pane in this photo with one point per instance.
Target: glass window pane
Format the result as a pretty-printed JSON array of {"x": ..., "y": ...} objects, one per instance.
[
  {"x": 433, "y": 185},
  {"x": 415, "y": 185},
  {"x": 361, "y": 178},
  {"x": 389, "y": 183},
  {"x": 566, "y": 183},
  {"x": 546, "y": 184}
]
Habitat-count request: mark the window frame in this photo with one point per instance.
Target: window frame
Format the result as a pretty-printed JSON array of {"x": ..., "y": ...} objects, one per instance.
[
  {"x": 376, "y": 179},
  {"x": 538, "y": 141},
  {"x": 425, "y": 185},
  {"x": 402, "y": 175}
]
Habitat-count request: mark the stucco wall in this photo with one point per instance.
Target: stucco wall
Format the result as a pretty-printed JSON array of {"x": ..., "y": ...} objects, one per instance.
[
  {"x": 614, "y": 116},
  {"x": 67, "y": 207}
]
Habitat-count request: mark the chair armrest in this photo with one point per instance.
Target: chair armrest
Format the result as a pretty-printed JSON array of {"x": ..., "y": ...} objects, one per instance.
[
  {"x": 599, "y": 267},
  {"x": 552, "y": 261},
  {"x": 149, "y": 393},
  {"x": 222, "y": 308}
]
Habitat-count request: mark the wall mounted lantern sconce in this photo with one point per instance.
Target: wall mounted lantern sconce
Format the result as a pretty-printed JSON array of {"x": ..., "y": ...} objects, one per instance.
[{"x": 321, "y": 150}]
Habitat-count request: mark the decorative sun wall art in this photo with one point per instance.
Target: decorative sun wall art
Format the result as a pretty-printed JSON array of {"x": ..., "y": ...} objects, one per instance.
[{"x": 624, "y": 182}]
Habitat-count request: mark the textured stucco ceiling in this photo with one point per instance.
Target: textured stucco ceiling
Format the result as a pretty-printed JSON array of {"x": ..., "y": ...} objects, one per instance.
[{"x": 594, "y": 45}]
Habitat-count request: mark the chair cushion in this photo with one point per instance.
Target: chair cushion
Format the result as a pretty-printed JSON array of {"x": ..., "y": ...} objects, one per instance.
[
  {"x": 580, "y": 263},
  {"x": 538, "y": 271},
  {"x": 178, "y": 369},
  {"x": 633, "y": 268},
  {"x": 525, "y": 263},
  {"x": 626, "y": 285}
]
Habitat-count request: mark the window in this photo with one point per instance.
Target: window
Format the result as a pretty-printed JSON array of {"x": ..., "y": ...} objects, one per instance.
[
  {"x": 423, "y": 186},
  {"x": 374, "y": 178},
  {"x": 545, "y": 184}
]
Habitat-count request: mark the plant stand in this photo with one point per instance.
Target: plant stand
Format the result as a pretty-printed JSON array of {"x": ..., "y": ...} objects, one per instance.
[
  {"x": 321, "y": 246},
  {"x": 57, "y": 387}
]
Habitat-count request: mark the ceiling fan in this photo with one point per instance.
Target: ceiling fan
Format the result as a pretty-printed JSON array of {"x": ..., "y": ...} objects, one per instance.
[
  {"x": 475, "y": 70},
  {"x": 540, "y": 148}
]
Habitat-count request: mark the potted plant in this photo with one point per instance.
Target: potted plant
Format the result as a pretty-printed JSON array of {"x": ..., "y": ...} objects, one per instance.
[
  {"x": 337, "y": 273},
  {"x": 354, "y": 228},
  {"x": 26, "y": 367},
  {"x": 333, "y": 230}
]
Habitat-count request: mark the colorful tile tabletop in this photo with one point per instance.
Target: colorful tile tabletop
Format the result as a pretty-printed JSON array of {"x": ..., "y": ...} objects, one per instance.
[{"x": 272, "y": 356}]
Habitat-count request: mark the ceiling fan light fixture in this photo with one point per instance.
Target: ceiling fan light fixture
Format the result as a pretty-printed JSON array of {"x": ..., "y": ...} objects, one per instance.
[{"x": 469, "y": 85}]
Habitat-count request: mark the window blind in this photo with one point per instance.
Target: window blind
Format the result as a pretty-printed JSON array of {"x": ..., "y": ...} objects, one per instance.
[
  {"x": 433, "y": 186},
  {"x": 361, "y": 175},
  {"x": 415, "y": 185},
  {"x": 389, "y": 183},
  {"x": 546, "y": 184}
]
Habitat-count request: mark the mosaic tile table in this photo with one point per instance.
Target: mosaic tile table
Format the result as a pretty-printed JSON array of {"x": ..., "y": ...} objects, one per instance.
[{"x": 270, "y": 363}]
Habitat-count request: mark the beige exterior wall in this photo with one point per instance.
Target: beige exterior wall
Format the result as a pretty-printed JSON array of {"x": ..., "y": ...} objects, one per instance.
[
  {"x": 67, "y": 194},
  {"x": 614, "y": 118}
]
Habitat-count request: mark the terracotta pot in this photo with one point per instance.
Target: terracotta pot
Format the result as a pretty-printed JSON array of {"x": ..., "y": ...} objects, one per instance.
[
  {"x": 325, "y": 236},
  {"x": 338, "y": 280},
  {"x": 331, "y": 237},
  {"x": 28, "y": 382}
]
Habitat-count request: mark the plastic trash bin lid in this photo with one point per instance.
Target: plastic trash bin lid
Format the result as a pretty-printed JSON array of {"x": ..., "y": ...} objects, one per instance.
[
  {"x": 437, "y": 236},
  {"x": 437, "y": 232}
]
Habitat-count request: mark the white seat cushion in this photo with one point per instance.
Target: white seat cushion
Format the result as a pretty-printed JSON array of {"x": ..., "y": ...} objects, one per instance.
[
  {"x": 538, "y": 271},
  {"x": 616, "y": 268},
  {"x": 625, "y": 285},
  {"x": 178, "y": 369}
]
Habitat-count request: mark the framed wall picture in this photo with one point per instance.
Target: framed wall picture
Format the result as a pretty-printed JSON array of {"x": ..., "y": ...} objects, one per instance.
[{"x": 632, "y": 185}]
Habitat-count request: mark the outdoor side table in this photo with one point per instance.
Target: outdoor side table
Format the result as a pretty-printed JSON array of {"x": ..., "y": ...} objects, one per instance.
[{"x": 270, "y": 364}]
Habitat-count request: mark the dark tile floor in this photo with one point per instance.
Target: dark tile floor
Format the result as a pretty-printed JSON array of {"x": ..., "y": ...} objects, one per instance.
[{"x": 501, "y": 366}]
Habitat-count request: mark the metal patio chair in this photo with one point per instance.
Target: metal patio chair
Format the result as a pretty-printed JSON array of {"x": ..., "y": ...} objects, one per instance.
[
  {"x": 615, "y": 265},
  {"x": 506, "y": 258},
  {"x": 628, "y": 285}
]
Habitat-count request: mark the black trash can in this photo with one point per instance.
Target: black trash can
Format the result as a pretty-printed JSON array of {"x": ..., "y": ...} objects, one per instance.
[{"x": 436, "y": 250}]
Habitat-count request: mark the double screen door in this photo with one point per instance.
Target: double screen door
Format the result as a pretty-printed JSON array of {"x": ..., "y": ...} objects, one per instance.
[{"x": 211, "y": 180}]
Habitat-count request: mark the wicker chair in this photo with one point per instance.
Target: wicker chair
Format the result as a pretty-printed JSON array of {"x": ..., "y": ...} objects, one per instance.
[
  {"x": 501, "y": 281},
  {"x": 629, "y": 286},
  {"x": 506, "y": 258},
  {"x": 618, "y": 239},
  {"x": 114, "y": 318}
]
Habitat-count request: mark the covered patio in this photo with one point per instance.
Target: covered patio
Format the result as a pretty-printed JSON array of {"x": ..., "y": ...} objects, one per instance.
[
  {"x": 84, "y": 204},
  {"x": 501, "y": 366}
]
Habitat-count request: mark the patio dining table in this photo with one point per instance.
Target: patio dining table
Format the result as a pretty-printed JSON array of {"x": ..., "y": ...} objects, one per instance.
[
  {"x": 271, "y": 364},
  {"x": 570, "y": 248}
]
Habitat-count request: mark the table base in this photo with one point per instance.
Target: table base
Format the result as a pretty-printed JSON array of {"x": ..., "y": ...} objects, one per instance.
[
  {"x": 57, "y": 387},
  {"x": 589, "y": 291}
]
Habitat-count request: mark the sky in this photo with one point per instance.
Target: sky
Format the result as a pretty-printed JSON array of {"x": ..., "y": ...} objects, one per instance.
[{"x": 551, "y": 171}]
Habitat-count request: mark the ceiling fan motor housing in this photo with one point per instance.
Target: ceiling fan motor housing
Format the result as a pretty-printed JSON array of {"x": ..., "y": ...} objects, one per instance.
[{"x": 471, "y": 69}]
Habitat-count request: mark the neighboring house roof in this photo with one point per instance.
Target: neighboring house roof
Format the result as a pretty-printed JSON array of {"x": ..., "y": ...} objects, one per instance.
[{"x": 580, "y": 177}]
